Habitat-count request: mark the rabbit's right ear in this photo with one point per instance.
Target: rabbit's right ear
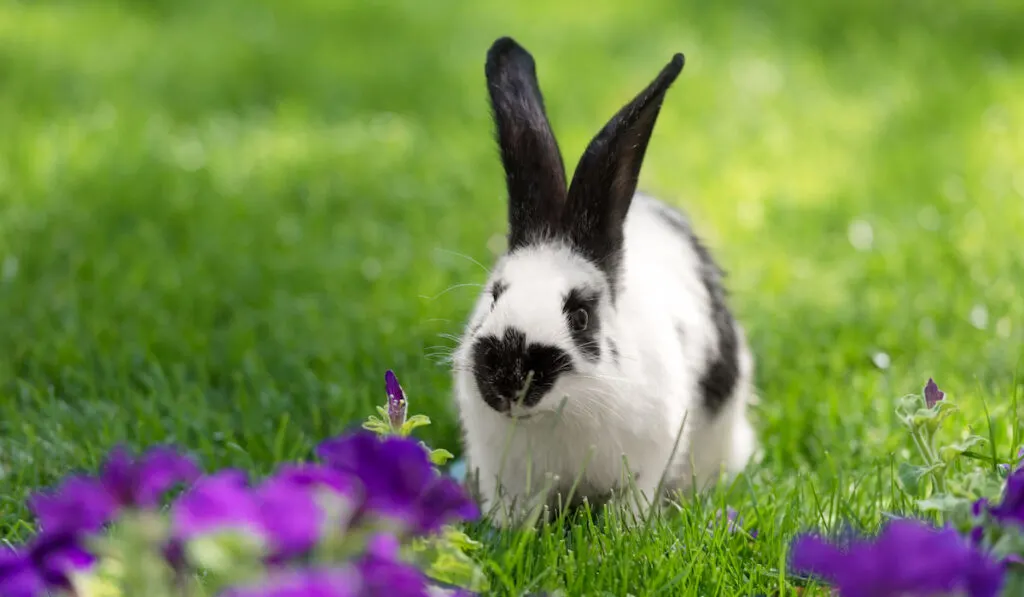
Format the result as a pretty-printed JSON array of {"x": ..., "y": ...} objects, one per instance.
[{"x": 534, "y": 172}]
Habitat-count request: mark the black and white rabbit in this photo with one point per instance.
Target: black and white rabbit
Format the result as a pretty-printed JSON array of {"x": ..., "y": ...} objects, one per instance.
[{"x": 609, "y": 305}]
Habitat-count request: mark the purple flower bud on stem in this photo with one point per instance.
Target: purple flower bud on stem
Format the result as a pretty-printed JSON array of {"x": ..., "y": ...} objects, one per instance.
[
  {"x": 932, "y": 394},
  {"x": 397, "y": 405}
]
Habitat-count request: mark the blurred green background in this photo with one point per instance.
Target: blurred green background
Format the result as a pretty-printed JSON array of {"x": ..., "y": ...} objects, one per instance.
[{"x": 221, "y": 221}]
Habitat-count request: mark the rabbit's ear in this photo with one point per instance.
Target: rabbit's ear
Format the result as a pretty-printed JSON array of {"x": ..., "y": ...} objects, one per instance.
[
  {"x": 534, "y": 172},
  {"x": 605, "y": 180}
]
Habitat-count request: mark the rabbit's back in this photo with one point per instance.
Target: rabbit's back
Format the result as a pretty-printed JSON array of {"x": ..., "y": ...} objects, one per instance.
[{"x": 673, "y": 283}]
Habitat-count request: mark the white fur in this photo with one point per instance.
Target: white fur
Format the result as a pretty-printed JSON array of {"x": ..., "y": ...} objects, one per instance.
[{"x": 632, "y": 409}]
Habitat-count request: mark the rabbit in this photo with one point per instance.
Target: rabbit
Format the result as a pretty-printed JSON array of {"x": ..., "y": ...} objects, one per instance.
[{"x": 602, "y": 354}]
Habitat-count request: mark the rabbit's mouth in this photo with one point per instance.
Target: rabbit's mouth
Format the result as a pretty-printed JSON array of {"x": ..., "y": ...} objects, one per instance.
[{"x": 520, "y": 416}]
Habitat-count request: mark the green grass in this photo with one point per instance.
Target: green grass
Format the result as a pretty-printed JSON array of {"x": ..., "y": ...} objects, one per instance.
[{"x": 220, "y": 222}]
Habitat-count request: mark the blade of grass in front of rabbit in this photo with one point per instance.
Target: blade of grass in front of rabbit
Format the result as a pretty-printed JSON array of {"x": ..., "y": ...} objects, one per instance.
[
  {"x": 632, "y": 492},
  {"x": 575, "y": 484},
  {"x": 512, "y": 507},
  {"x": 501, "y": 469},
  {"x": 664, "y": 473},
  {"x": 521, "y": 397}
]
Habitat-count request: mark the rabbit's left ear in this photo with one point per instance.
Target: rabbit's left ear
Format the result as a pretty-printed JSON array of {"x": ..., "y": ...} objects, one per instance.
[{"x": 605, "y": 180}]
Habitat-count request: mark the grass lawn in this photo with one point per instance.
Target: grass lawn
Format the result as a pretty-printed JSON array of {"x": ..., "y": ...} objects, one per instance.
[{"x": 220, "y": 222}]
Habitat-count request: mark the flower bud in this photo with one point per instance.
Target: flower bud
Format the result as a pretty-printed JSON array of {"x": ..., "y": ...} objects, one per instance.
[{"x": 397, "y": 405}]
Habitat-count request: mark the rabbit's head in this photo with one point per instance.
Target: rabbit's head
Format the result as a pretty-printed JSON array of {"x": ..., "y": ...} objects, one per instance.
[{"x": 543, "y": 319}]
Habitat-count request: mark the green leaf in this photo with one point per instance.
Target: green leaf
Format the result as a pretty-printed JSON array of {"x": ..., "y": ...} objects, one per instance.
[
  {"x": 909, "y": 404},
  {"x": 377, "y": 426},
  {"x": 413, "y": 422},
  {"x": 944, "y": 503},
  {"x": 1009, "y": 542},
  {"x": 460, "y": 539},
  {"x": 954, "y": 450},
  {"x": 977, "y": 483},
  {"x": 910, "y": 476},
  {"x": 444, "y": 561},
  {"x": 440, "y": 456}
]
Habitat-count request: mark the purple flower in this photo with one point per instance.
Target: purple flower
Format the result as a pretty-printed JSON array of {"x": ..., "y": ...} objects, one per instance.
[
  {"x": 932, "y": 394},
  {"x": 46, "y": 564},
  {"x": 978, "y": 532},
  {"x": 442, "y": 502},
  {"x": 383, "y": 545},
  {"x": 304, "y": 583},
  {"x": 289, "y": 517},
  {"x": 292, "y": 490},
  {"x": 173, "y": 552},
  {"x": 398, "y": 480},
  {"x": 219, "y": 501},
  {"x": 397, "y": 406},
  {"x": 85, "y": 504},
  {"x": 18, "y": 576},
  {"x": 1011, "y": 508},
  {"x": 141, "y": 482},
  {"x": 733, "y": 522},
  {"x": 79, "y": 504},
  {"x": 907, "y": 558},
  {"x": 389, "y": 577},
  {"x": 313, "y": 475},
  {"x": 283, "y": 510}
]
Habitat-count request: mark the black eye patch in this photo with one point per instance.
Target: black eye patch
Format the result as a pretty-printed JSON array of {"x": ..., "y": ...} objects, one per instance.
[{"x": 580, "y": 310}]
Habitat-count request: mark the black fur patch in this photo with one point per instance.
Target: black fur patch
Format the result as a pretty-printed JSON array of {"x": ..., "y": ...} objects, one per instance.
[
  {"x": 498, "y": 289},
  {"x": 587, "y": 340},
  {"x": 723, "y": 370},
  {"x": 534, "y": 172},
  {"x": 501, "y": 366}
]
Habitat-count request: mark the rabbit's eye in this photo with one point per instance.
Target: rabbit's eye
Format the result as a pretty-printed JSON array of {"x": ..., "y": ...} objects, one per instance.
[{"x": 579, "y": 319}]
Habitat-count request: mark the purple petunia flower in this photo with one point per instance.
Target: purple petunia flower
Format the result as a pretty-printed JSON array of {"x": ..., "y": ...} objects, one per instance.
[
  {"x": 219, "y": 501},
  {"x": 314, "y": 475},
  {"x": 397, "y": 405},
  {"x": 908, "y": 558},
  {"x": 977, "y": 509},
  {"x": 398, "y": 480},
  {"x": 289, "y": 517},
  {"x": 79, "y": 504},
  {"x": 442, "y": 502},
  {"x": 282, "y": 510},
  {"x": 389, "y": 577},
  {"x": 85, "y": 504},
  {"x": 304, "y": 583},
  {"x": 932, "y": 394},
  {"x": 141, "y": 482},
  {"x": 45, "y": 564},
  {"x": 383, "y": 545},
  {"x": 18, "y": 576},
  {"x": 1011, "y": 508}
]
